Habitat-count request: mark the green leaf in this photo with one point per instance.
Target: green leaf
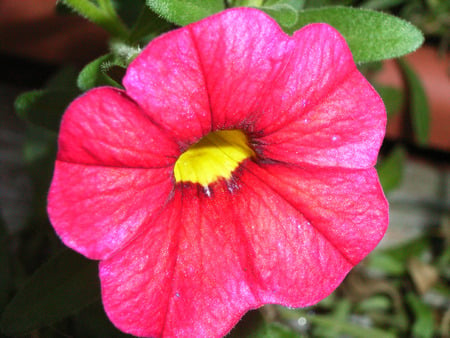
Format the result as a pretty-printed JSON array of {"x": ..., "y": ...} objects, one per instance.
[
  {"x": 413, "y": 248},
  {"x": 392, "y": 98},
  {"x": 345, "y": 327},
  {"x": 44, "y": 108},
  {"x": 371, "y": 35},
  {"x": 340, "y": 312},
  {"x": 276, "y": 330},
  {"x": 253, "y": 325},
  {"x": 387, "y": 264},
  {"x": 183, "y": 12},
  {"x": 283, "y": 13},
  {"x": 94, "y": 74},
  {"x": 65, "y": 284},
  {"x": 418, "y": 104},
  {"x": 423, "y": 326},
  {"x": 390, "y": 169},
  {"x": 103, "y": 15},
  {"x": 378, "y": 303},
  {"x": 148, "y": 23}
]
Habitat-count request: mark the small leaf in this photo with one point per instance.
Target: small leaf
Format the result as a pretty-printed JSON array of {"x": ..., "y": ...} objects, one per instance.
[
  {"x": 183, "y": 12},
  {"x": 386, "y": 264},
  {"x": 390, "y": 169},
  {"x": 276, "y": 330},
  {"x": 378, "y": 303},
  {"x": 62, "y": 286},
  {"x": 94, "y": 75},
  {"x": 413, "y": 248},
  {"x": 392, "y": 98},
  {"x": 418, "y": 104},
  {"x": 346, "y": 327},
  {"x": 284, "y": 14},
  {"x": 423, "y": 326},
  {"x": 44, "y": 108},
  {"x": 371, "y": 35}
]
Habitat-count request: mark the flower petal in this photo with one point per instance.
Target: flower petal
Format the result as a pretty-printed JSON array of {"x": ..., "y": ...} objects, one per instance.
[
  {"x": 242, "y": 52},
  {"x": 346, "y": 206},
  {"x": 167, "y": 81},
  {"x": 182, "y": 277},
  {"x": 198, "y": 269},
  {"x": 136, "y": 282},
  {"x": 96, "y": 210},
  {"x": 322, "y": 111},
  {"x": 105, "y": 127}
]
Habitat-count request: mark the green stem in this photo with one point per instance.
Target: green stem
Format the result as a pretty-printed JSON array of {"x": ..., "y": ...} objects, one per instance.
[
  {"x": 106, "y": 6},
  {"x": 105, "y": 16}
]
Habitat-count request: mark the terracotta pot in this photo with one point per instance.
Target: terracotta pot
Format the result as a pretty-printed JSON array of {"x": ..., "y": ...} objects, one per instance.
[
  {"x": 32, "y": 29},
  {"x": 433, "y": 70}
]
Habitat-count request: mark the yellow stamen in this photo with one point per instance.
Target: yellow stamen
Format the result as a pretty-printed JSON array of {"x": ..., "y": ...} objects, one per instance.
[{"x": 215, "y": 156}]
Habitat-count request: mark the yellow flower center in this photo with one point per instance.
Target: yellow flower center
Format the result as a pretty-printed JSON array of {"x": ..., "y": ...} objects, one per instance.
[{"x": 215, "y": 156}]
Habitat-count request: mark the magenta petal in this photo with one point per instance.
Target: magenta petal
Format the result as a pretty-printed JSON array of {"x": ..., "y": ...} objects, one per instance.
[
  {"x": 96, "y": 210},
  {"x": 167, "y": 81},
  {"x": 344, "y": 130},
  {"x": 321, "y": 110},
  {"x": 347, "y": 207},
  {"x": 197, "y": 269},
  {"x": 136, "y": 282},
  {"x": 182, "y": 278},
  {"x": 105, "y": 127},
  {"x": 289, "y": 261},
  {"x": 242, "y": 52}
]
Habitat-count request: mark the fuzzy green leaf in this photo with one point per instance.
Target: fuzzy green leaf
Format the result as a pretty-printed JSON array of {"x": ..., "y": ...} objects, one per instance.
[
  {"x": 419, "y": 107},
  {"x": 94, "y": 75},
  {"x": 103, "y": 15},
  {"x": 283, "y": 13},
  {"x": 183, "y": 12},
  {"x": 44, "y": 108},
  {"x": 62, "y": 286},
  {"x": 371, "y": 35}
]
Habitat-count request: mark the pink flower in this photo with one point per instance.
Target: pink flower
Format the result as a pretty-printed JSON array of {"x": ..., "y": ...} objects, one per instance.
[{"x": 275, "y": 204}]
